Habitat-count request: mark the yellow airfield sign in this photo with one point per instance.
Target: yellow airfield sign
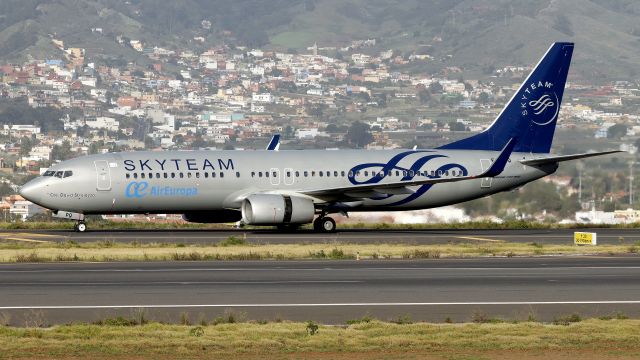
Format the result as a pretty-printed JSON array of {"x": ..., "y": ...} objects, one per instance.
[{"x": 584, "y": 238}]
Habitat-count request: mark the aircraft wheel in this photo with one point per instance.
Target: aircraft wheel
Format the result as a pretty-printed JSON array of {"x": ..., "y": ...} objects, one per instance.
[
  {"x": 81, "y": 227},
  {"x": 325, "y": 224}
]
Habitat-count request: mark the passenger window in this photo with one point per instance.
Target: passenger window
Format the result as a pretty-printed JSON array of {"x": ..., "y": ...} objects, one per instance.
[
  {"x": 288, "y": 174},
  {"x": 259, "y": 173},
  {"x": 266, "y": 174},
  {"x": 157, "y": 175},
  {"x": 173, "y": 175},
  {"x": 237, "y": 174},
  {"x": 198, "y": 175},
  {"x": 335, "y": 173},
  {"x": 297, "y": 173},
  {"x": 253, "y": 174},
  {"x": 411, "y": 173},
  {"x": 213, "y": 175},
  {"x": 165, "y": 175},
  {"x": 342, "y": 173},
  {"x": 135, "y": 175},
  {"x": 313, "y": 173},
  {"x": 221, "y": 174},
  {"x": 127, "y": 175},
  {"x": 206, "y": 175},
  {"x": 306, "y": 174},
  {"x": 142, "y": 175},
  {"x": 320, "y": 173},
  {"x": 181, "y": 175},
  {"x": 275, "y": 174},
  {"x": 397, "y": 173},
  {"x": 350, "y": 173},
  {"x": 189, "y": 175},
  {"x": 366, "y": 173}
]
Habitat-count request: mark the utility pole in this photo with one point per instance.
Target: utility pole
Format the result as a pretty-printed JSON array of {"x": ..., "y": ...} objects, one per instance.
[{"x": 631, "y": 184}]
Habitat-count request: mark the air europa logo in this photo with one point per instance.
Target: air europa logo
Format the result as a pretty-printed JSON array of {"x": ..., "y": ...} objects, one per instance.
[
  {"x": 141, "y": 189},
  {"x": 539, "y": 102}
]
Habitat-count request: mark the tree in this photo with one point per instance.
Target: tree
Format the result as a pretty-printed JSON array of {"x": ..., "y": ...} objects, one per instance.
[
  {"x": 435, "y": 88},
  {"x": 483, "y": 98},
  {"x": 424, "y": 96},
  {"x": 457, "y": 126},
  {"x": 617, "y": 131},
  {"x": 61, "y": 152},
  {"x": 332, "y": 128},
  {"x": 26, "y": 144},
  {"x": 359, "y": 135}
]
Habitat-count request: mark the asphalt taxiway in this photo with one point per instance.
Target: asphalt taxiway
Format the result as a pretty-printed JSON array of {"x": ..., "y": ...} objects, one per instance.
[
  {"x": 428, "y": 236},
  {"x": 326, "y": 291}
]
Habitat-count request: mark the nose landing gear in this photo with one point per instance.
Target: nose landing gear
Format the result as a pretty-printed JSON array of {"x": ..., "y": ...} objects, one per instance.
[{"x": 80, "y": 225}]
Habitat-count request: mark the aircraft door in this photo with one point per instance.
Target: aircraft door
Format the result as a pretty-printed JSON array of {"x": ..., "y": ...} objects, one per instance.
[
  {"x": 288, "y": 176},
  {"x": 486, "y": 182},
  {"x": 104, "y": 175},
  {"x": 274, "y": 177}
]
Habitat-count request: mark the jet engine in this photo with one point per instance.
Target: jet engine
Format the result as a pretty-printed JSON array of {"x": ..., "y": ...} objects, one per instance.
[
  {"x": 274, "y": 209},
  {"x": 215, "y": 216}
]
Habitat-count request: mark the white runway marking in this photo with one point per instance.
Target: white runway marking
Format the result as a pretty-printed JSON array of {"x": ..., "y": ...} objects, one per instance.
[{"x": 77, "y": 307}]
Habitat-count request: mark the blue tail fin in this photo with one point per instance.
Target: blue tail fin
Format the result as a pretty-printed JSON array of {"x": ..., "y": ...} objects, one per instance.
[{"x": 531, "y": 114}]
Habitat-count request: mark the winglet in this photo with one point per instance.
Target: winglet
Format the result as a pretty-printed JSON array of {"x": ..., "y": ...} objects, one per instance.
[
  {"x": 274, "y": 144},
  {"x": 499, "y": 164}
]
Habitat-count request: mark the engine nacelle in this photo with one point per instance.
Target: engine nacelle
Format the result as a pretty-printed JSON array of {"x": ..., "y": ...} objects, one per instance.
[
  {"x": 274, "y": 209},
  {"x": 214, "y": 216}
]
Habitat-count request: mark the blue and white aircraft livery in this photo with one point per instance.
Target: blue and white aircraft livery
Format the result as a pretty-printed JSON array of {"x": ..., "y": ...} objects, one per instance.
[{"x": 292, "y": 188}]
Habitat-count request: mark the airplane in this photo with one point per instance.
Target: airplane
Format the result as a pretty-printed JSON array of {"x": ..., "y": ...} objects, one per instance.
[{"x": 291, "y": 188}]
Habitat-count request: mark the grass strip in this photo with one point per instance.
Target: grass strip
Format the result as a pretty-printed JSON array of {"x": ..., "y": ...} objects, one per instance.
[
  {"x": 235, "y": 248},
  {"x": 589, "y": 339}
]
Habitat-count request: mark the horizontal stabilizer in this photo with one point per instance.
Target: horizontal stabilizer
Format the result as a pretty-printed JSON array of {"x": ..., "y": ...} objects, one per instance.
[{"x": 557, "y": 159}]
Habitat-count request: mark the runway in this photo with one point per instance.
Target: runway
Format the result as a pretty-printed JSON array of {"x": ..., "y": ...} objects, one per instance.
[
  {"x": 429, "y": 236},
  {"x": 325, "y": 291}
]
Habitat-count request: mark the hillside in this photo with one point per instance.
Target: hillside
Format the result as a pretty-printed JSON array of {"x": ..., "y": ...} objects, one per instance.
[{"x": 470, "y": 33}]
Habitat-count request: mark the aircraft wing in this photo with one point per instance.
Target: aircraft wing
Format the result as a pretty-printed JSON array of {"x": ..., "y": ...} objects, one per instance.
[
  {"x": 402, "y": 187},
  {"x": 557, "y": 159}
]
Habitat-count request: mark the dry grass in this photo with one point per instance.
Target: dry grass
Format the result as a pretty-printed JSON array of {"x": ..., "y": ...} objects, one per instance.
[
  {"x": 110, "y": 251},
  {"x": 592, "y": 338}
]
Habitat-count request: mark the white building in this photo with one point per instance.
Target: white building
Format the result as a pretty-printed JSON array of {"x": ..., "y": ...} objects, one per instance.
[
  {"x": 103, "y": 122},
  {"x": 262, "y": 98},
  {"x": 306, "y": 133},
  {"x": 25, "y": 209}
]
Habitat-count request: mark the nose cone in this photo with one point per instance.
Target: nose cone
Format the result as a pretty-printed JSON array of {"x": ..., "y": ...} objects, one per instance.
[{"x": 32, "y": 190}]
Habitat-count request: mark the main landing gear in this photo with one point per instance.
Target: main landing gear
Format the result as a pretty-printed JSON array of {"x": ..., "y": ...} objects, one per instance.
[{"x": 324, "y": 224}]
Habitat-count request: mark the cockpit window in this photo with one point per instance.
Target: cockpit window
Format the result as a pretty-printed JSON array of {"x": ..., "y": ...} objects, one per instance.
[
  {"x": 49, "y": 173},
  {"x": 59, "y": 174},
  {"x": 68, "y": 173}
]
